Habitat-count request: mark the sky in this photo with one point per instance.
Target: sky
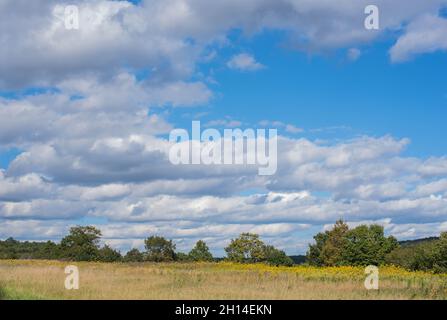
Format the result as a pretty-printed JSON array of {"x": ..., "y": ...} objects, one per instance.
[{"x": 85, "y": 116}]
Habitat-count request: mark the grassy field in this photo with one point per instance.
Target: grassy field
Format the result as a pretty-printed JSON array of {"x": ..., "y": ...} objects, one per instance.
[{"x": 45, "y": 280}]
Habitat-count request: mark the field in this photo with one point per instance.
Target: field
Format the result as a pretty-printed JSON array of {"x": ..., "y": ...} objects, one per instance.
[{"x": 45, "y": 280}]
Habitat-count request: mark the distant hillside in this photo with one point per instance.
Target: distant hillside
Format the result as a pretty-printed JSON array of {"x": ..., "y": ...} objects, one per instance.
[
  {"x": 417, "y": 241},
  {"x": 298, "y": 259}
]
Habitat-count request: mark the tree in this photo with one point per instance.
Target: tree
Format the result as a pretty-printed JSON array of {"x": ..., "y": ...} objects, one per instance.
[
  {"x": 159, "y": 249},
  {"x": 327, "y": 251},
  {"x": 440, "y": 254},
  {"x": 82, "y": 244},
  {"x": 367, "y": 245},
  {"x": 247, "y": 248},
  {"x": 133, "y": 255},
  {"x": 416, "y": 256},
  {"x": 364, "y": 245},
  {"x": 333, "y": 247},
  {"x": 108, "y": 254},
  {"x": 276, "y": 257},
  {"x": 200, "y": 252},
  {"x": 49, "y": 250},
  {"x": 314, "y": 256}
]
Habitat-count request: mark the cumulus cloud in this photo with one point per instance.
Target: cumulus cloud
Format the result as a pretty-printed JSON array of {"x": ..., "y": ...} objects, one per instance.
[
  {"x": 244, "y": 62},
  {"x": 425, "y": 34},
  {"x": 166, "y": 38}
]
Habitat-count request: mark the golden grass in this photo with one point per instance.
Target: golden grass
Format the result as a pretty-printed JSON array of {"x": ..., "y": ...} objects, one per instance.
[{"x": 45, "y": 280}]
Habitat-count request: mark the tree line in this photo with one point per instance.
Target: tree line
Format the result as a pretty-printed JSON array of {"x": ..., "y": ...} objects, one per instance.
[
  {"x": 367, "y": 245},
  {"x": 83, "y": 244},
  {"x": 340, "y": 246}
]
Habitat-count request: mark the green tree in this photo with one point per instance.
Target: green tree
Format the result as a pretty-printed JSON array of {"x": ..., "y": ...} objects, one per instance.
[
  {"x": 314, "y": 256},
  {"x": 247, "y": 248},
  {"x": 133, "y": 255},
  {"x": 439, "y": 255},
  {"x": 82, "y": 244},
  {"x": 49, "y": 250},
  {"x": 414, "y": 256},
  {"x": 200, "y": 252},
  {"x": 276, "y": 257},
  {"x": 159, "y": 249},
  {"x": 328, "y": 247},
  {"x": 367, "y": 245},
  {"x": 364, "y": 245},
  {"x": 108, "y": 254}
]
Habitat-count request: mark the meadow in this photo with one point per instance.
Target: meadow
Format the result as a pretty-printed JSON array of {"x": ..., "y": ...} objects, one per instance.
[{"x": 36, "y": 279}]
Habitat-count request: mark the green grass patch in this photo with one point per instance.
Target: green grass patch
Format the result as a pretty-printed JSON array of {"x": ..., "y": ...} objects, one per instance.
[{"x": 7, "y": 293}]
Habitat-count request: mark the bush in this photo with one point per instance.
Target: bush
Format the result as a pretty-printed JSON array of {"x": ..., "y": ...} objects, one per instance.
[
  {"x": 133, "y": 255},
  {"x": 107, "y": 254},
  {"x": 182, "y": 257}
]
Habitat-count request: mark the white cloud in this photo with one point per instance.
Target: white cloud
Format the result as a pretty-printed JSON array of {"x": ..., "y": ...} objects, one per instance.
[
  {"x": 425, "y": 34},
  {"x": 290, "y": 128},
  {"x": 244, "y": 62},
  {"x": 166, "y": 38}
]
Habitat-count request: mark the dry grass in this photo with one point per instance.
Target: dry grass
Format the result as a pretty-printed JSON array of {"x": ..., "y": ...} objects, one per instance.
[{"x": 45, "y": 280}]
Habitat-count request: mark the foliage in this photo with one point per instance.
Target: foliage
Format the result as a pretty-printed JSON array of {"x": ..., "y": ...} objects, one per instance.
[
  {"x": 247, "y": 248},
  {"x": 327, "y": 250},
  {"x": 440, "y": 254},
  {"x": 133, "y": 255},
  {"x": 108, "y": 254},
  {"x": 182, "y": 257},
  {"x": 82, "y": 244},
  {"x": 276, "y": 257},
  {"x": 340, "y": 246},
  {"x": 200, "y": 252},
  {"x": 158, "y": 249},
  {"x": 363, "y": 245},
  {"x": 366, "y": 245},
  {"x": 13, "y": 249},
  {"x": 428, "y": 255}
]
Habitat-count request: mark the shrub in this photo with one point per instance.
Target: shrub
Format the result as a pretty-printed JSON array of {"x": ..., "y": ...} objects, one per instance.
[
  {"x": 108, "y": 254},
  {"x": 133, "y": 255}
]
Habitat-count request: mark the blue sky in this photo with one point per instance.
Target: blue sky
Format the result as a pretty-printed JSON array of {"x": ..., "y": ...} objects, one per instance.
[
  {"x": 370, "y": 96},
  {"x": 85, "y": 115}
]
